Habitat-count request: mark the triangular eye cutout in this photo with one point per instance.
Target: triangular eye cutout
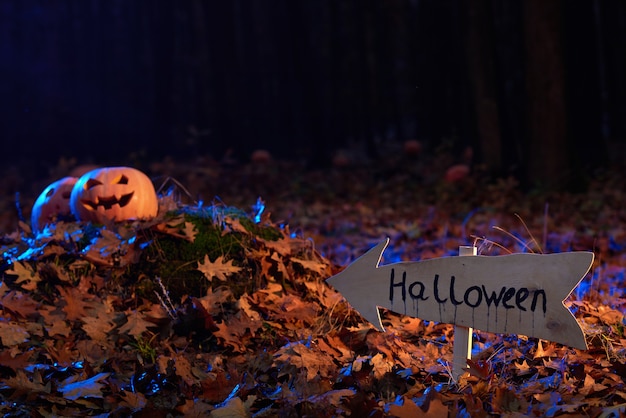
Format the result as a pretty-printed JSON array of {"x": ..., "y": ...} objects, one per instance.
[
  {"x": 121, "y": 180},
  {"x": 92, "y": 183}
]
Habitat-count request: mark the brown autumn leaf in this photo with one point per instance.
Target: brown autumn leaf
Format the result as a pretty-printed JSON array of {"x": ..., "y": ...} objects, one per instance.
[
  {"x": 26, "y": 276},
  {"x": 11, "y": 333},
  {"x": 54, "y": 321},
  {"x": 55, "y": 270},
  {"x": 479, "y": 369},
  {"x": 20, "y": 304},
  {"x": 28, "y": 384},
  {"x": 181, "y": 365},
  {"x": 97, "y": 327},
  {"x": 133, "y": 400},
  {"x": 266, "y": 264},
  {"x": 300, "y": 355},
  {"x": 217, "y": 386},
  {"x": 15, "y": 360},
  {"x": 541, "y": 352},
  {"x": 522, "y": 368},
  {"x": 179, "y": 228},
  {"x": 332, "y": 345},
  {"x": 244, "y": 305},
  {"x": 190, "y": 231},
  {"x": 193, "y": 408},
  {"x": 291, "y": 311},
  {"x": 433, "y": 408},
  {"x": 280, "y": 265},
  {"x": 219, "y": 268},
  {"x": 215, "y": 298},
  {"x": 232, "y": 408},
  {"x": 381, "y": 365},
  {"x": 233, "y": 225},
  {"x": 136, "y": 323},
  {"x": 73, "y": 389},
  {"x": 312, "y": 265},
  {"x": 237, "y": 330},
  {"x": 282, "y": 246},
  {"x": 590, "y": 386},
  {"x": 101, "y": 249},
  {"x": 75, "y": 306},
  {"x": 406, "y": 409}
]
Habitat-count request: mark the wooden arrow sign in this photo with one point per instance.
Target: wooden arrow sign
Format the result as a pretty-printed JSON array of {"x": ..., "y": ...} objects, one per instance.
[{"x": 509, "y": 294}]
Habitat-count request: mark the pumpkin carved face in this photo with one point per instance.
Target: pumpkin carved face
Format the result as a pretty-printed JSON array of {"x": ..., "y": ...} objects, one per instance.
[
  {"x": 52, "y": 203},
  {"x": 114, "y": 194}
]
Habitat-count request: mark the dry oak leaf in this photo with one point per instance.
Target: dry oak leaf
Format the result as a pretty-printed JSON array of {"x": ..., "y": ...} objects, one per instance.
[
  {"x": 282, "y": 246},
  {"x": 179, "y": 228},
  {"x": 12, "y": 334},
  {"x": 280, "y": 265},
  {"x": 237, "y": 330},
  {"x": 75, "y": 307},
  {"x": 88, "y": 388},
  {"x": 409, "y": 409},
  {"x": 292, "y": 311},
  {"x": 190, "y": 231},
  {"x": 193, "y": 408},
  {"x": 136, "y": 323},
  {"x": 218, "y": 268},
  {"x": 233, "y": 408},
  {"x": 94, "y": 352},
  {"x": 312, "y": 265},
  {"x": 26, "y": 276},
  {"x": 233, "y": 225},
  {"x": 181, "y": 365},
  {"x": 299, "y": 355},
  {"x": 97, "y": 327},
  {"x": 23, "y": 384},
  {"x": 590, "y": 386},
  {"x": 15, "y": 358},
  {"x": 19, "y": 303},
  {"x": 244, "y": 304},
  {"x": 332, "y": 345},
  {"x": 381, "y": 365},
  {"x": 332, "y": 397},
  {"x": 214, "y": 299},
  {"x": 133, "y": 400}
]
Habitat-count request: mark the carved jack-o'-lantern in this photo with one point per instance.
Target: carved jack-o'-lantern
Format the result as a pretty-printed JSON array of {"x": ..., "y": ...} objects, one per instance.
[
  {"x": 114, "y": 194},
  {"x": 52, "y": 203}
]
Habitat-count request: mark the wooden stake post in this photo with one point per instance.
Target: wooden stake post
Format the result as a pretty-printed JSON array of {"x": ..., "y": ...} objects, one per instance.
[{"x": 463, "y": 339}]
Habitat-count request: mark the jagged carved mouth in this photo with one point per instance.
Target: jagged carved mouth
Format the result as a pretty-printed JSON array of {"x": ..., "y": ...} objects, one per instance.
[{"x": 107, "y": 202}]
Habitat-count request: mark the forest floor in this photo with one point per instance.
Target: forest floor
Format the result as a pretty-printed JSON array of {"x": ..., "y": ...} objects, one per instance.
[{"x": 220, "y": 305}]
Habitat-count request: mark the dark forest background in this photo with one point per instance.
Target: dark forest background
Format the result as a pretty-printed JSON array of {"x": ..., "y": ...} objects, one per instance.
[{"x": 537, "y": 88}]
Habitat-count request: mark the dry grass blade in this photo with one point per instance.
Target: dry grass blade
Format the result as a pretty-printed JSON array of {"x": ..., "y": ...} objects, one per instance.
[{"x": 516, "y": 239}]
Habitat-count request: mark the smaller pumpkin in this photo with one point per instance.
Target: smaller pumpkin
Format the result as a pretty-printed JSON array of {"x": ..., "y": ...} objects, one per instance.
[
  {"x": 53, "y": 203},
  {"x": 114, "y": 194}
]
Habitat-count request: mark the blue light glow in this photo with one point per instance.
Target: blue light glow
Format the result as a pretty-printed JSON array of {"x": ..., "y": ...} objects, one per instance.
[{"x": 258, "y": 208}]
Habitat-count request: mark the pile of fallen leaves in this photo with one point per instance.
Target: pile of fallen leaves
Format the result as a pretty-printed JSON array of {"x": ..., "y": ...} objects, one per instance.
[{"x": 118, "y": 320}]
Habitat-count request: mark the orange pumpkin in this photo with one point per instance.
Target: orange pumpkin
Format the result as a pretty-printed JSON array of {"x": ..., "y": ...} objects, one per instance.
[
  {"x": 114, "y": 194},
  {"x": 52, "y": 203}
]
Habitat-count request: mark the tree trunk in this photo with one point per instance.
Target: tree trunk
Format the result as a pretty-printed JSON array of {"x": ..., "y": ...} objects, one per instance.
[
  {"x": 480, "y": 58},
  {"x": 547, "y": 162}
]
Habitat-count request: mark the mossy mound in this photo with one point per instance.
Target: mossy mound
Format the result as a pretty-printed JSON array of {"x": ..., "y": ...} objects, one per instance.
[
  {"x": 162, "y": 257},
  {"x": 187, "y": 236}
]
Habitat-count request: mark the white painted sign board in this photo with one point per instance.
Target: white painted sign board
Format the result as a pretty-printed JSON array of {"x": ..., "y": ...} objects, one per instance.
[{"x": 509, "y": 294}]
